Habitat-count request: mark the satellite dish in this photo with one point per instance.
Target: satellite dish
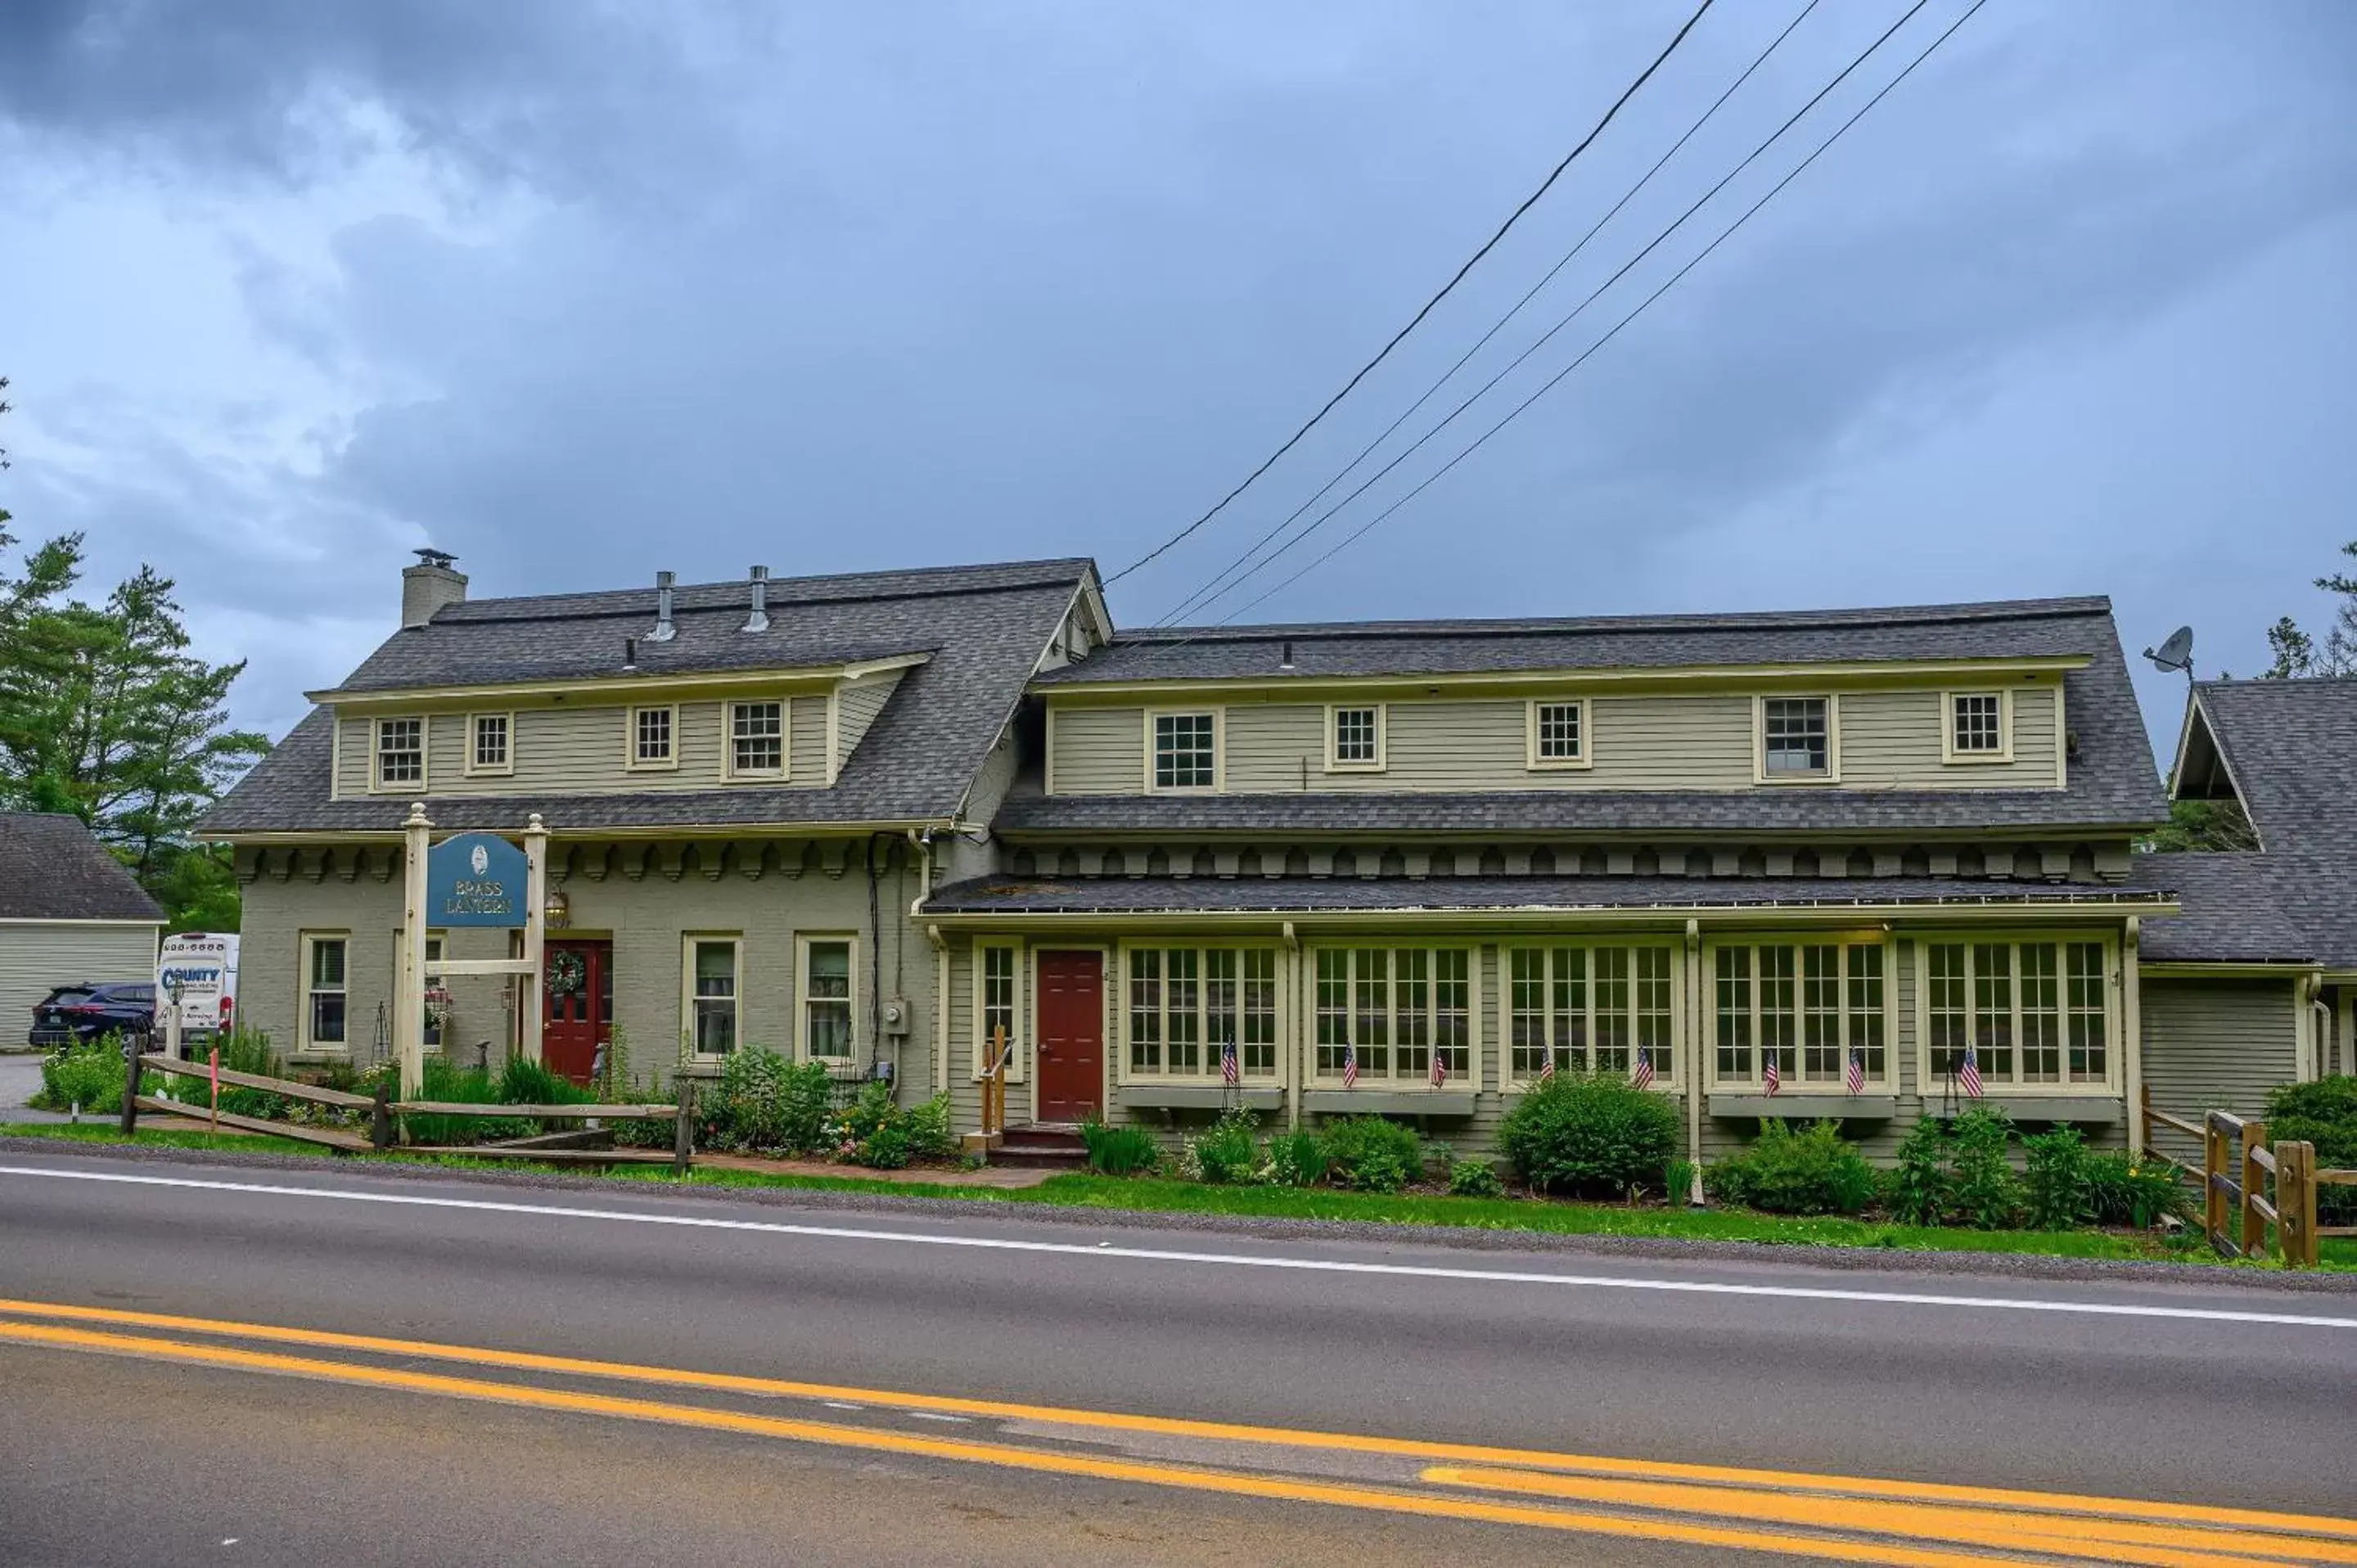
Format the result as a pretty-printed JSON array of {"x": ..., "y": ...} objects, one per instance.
[{"x": 2175, "y": 653}]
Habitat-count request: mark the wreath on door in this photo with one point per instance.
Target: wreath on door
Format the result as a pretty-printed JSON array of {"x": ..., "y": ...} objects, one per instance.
[{"x": 568, "y": 975}]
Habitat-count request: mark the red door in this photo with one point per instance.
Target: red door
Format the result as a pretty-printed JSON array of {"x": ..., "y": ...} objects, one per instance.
[
  {"x": 578, "y": 1006},
  {"x": 1071, "y": 1035}
]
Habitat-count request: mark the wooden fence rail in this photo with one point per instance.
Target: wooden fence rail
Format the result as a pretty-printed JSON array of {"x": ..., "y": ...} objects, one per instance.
[
  {"x": 384, "y": 1136},
  {"x": 2256, "y": 1183}
]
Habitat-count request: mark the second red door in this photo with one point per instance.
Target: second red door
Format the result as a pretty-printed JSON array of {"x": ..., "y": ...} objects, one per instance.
[{"x": 1070, "y": 1036}]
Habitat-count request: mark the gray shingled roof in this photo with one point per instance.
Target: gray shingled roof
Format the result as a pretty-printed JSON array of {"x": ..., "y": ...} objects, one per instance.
[
  {"x": 2233, "y": 911},
  {"x": 1303, "y": 895},
  {"x": 2292, "y": 749},
  {"x": 2014, "y": 628},
  {"x": 986, "y": 624},
  {"x": 52, "y": 868}
]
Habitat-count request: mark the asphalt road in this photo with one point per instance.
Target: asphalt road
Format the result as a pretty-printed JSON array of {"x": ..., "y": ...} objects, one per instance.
[{"x": 130, "y": 1439}]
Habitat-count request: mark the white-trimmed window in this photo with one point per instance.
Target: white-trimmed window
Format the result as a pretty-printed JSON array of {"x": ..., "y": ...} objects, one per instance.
[
  {"x": 324, "y": 1015},
  {"x": 830, "y": 997},
  {"x": 1979, "y": 726},
  {"x": 1811, "y": 1004},
  {"x": 1395, "y": 1006},
  {"x": 998, "y": 1000},
  {"x": 2035, "y": 1013},
  {"x": 1558, "y": 733},
  {"x": 490, "y": 738},
  {"x": 1797, "y": 738},
  {"x": 1591, "y": 1008},
  {"x": 757, "y": 740},
  {"x": 1185, "y": 750},
  {"x": 1355, "y": 737},
  {"x": 400, "y": 753},
  {"x": 1185, "y": 1004},
  {"x": 653, "y": 737},
  {"x": 713, "y": 1003}
]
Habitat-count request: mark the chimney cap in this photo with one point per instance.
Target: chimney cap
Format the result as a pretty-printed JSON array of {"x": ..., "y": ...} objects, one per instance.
[{"x": 429, "y": 556}]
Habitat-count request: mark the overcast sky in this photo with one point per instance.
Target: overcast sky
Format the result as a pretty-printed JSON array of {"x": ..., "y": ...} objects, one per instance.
[{"x": 289, "y": 287}]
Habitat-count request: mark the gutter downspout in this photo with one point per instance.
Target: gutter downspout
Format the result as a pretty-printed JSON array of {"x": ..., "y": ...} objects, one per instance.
[
  {"x": 1694, "y": 1063},
  {"x": 2131, "y": 1031}
]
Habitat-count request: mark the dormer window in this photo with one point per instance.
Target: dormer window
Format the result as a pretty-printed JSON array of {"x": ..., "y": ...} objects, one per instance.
[
  {"x": 1355, "y": 738},
  {"x": 757, "y": 740},
  {"x": 1796, "y": 738},
  {"x": 400, "y": 752},
  {"x": 1979, "y": 726},
  {"x": 1186, "y": 751}
]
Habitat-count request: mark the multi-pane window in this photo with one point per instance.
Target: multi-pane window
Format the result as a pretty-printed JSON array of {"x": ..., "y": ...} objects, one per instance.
[
  {"x": 1186, "y": 751},
  {"x": 1600, "y": 1008},
  {"x": 1395, "y": 1007},
  {"x": 1977, "y": 724},
  {"x": 997, "y": 1002},
  {"x": 1796, "y": 736},
  {"x": 1558, "y": 733},
  {"x": 1357, "y": 737},
  {"x": 651, "y": 730},
  {"x": 2033, "y": 1013},
  {"x": 757, "y": 738},
  {"x": 1187, "y": 1004},
  {"x": 1812, "y": 1005},
  {"x": 826, "y": 997},
  {"x": 324, "y": 992},
  {"x": 400, "y": 751},
  {"x": 490, "y": 750},
  {"x": 712, "y": 999}
]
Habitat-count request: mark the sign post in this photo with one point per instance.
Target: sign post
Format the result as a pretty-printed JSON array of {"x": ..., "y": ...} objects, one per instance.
[{"x": 467, "y": 880}]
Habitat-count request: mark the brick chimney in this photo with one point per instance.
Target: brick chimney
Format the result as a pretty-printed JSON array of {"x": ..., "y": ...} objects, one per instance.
[{"x": 428, "y": 585}]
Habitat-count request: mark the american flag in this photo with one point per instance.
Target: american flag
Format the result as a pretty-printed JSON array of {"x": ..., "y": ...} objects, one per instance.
[
  {"x": 1970, "y": 1075},
  {"x": 1350, "y": 1067},
  {"x": 1643, "y": 1076},
  {"x": 1439, "y": 1068},
  {"x": 1854, "y": 1076},
  {"x": 1229, "y": 1072},
  {"x": 1774, "y": 1075},
  {"x": 1546, "y": 1068}
]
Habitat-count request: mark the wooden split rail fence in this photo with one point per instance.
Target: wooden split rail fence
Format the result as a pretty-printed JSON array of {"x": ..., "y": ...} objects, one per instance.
[
  {"x": 2255, "y": 1185},
  {"x": 577, "y": 1146}
]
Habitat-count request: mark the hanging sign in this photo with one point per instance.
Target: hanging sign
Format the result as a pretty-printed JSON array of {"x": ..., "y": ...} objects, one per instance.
[{"x": 476, "y": 879}]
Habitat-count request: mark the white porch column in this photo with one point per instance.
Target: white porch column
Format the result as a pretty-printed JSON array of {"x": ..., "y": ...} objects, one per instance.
[
  {"x": 2131, "y": 1032},
  {"x": 409, "y": 997},
  {"x": 536, "y": 935}
]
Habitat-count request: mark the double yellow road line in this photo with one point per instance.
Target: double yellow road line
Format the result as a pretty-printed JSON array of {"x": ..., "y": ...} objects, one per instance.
[{"x": 1827, "y": 1518}]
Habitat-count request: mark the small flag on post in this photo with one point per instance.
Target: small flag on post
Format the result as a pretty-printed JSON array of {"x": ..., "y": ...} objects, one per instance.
[
  {"x": 1350, "y": 1066},
  {"x": 1970, "y": 1076},
  {"x": 1855, "y": 1077},
  {"x": 1773, "y": 1075},
  {"x": 1643, "y": 1075},
  {"x": 1229, "y": 1073},
  {"x": 1439, "y": 1068}
]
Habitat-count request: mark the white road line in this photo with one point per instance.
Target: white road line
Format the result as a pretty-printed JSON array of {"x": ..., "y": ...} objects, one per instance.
[{"x": 1229, "y": 1260}]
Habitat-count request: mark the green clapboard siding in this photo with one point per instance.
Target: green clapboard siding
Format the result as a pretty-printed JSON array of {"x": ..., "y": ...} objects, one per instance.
[
  {"x": 38, "y": 957},
  {"x": 2218, "y": 1045},
  {"x": 856, "y": 707},
  {"x": 1098, "y": 751}
]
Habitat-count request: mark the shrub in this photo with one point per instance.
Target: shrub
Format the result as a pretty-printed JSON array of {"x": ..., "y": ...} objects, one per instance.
[
  {"x": 1475, "y": 1178},
  {"x": 1915, "y": 1189},
  {"x": 878, "y": 1131},
  {"x": 241, "y": 1051},
  {"x": 1118, "y": 1151},
  {"x": 462, "y": 1086},
  {"x": 2138, "y": 1190},
  {"x": 2056, "y": 1190},
  {"x": 1589, "y": 1135},
  {"x": 1371, "y": 1153},
  {"x": 762, "y": 1103},
  {"x": 2322, "y": 1113},
  {"x": 1816, "y": 1171},
  {"x": 1677, "y": 1180},
  {"x": 1295, "y": 1159},
  {"x": 1985, "y": 1193},
  {"x": 89, "y": 1076},
  {"x": 1230, "y": 1151},
  {"x": 526, "y": 1082}
]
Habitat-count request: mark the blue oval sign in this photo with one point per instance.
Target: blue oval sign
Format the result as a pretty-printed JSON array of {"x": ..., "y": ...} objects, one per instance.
[{"x": 476, "y": 879}]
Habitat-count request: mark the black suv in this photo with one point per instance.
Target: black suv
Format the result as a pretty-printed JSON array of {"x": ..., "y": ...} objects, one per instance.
[{"x": 79, "y": 1014}]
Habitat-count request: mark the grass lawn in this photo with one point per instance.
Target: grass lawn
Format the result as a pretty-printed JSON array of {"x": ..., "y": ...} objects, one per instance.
[
  {"x": 158, "y": 1137},
  {"x": 1149, "y": 1195}
]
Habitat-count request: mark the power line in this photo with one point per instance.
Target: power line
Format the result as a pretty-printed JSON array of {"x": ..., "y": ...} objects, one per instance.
[
  {"x": 1363, "y": 528},
  {"x": 1200, "y": 600},
  {"x": 1414, "y": 321},
  {"x": 1499, "y": 326}
]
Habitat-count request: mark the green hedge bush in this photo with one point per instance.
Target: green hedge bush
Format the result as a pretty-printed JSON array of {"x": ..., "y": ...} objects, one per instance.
[
  {"x": 2324, "y": 1113},
  {"x": 1475, "y": 1178},
  {"x": 1373, "y": 1154},
  {"x": 1228, "y": 1151},
  {"x": 1813, "y": 1171},
  {"x": 764, "y": 1104},
  {"x": 879, "y": 1131},
  {"x": 1590, "y": 1136},
  {"x": 1295, "y": 1159}
]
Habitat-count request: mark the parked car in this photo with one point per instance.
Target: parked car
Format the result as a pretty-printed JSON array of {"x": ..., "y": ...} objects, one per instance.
[{"x": 79, "y": 1014}]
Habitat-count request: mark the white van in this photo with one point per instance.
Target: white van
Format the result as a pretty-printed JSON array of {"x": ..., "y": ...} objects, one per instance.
[{"x": 204, "y": 966}]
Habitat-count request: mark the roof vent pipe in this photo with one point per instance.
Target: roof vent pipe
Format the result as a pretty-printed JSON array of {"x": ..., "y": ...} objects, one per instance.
[
  {"x": 630, "y": 653},
  {"x": 759, "y": 619},
  {"x": 1284, "y": 659},
  {"x": 663, "y": 631}
]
